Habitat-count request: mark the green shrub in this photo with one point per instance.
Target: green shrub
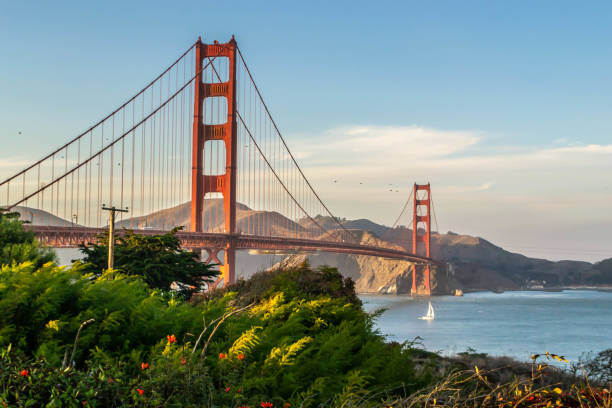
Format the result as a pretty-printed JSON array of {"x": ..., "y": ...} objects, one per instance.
[{"x": 18, "y": 245}]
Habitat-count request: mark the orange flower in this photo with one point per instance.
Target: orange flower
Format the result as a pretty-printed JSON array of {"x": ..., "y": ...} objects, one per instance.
[
  {"x": 222, "y": 356},
  {"x": 144, "y": 366},
  {"x": 266, "y": 404},
  {"x": 140, "y": 391},
  {"x": 240, "y": 356},
  {"x": 287, "y": 405},
  {"x": 183, "y": 361},
  {"x": 24, "y": 373},
  {"x": 171, "y": 339}
]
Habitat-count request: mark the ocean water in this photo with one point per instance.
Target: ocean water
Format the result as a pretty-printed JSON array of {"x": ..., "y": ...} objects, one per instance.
[{"x": 515, "y": 324}]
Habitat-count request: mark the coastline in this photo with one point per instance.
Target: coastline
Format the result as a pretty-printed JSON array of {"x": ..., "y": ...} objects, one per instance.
[{"x": 603, "y": 288}]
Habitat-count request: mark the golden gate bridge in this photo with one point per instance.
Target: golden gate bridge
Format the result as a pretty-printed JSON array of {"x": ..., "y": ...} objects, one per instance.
[{"x": 198, "y": 147}]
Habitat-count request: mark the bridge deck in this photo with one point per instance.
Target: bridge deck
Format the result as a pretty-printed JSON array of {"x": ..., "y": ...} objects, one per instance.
[{"x": 71, "y": 237}]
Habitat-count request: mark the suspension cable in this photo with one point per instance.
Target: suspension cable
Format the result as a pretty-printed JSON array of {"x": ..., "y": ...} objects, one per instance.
[
  {"x": 101, "y": 121},
  {"x": 105, "y": 148}
]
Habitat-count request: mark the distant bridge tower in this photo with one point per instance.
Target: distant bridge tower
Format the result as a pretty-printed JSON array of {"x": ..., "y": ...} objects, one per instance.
[
  {"x": 225, "y": 184},
  {"x": 421, "y": 234}
]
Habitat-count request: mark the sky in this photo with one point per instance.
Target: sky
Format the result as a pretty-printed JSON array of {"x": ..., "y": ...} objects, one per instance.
[{"x": 504, "y": 107}]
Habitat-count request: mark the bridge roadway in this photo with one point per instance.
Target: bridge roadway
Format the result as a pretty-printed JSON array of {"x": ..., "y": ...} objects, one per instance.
[{"x": 71, "y": 237}]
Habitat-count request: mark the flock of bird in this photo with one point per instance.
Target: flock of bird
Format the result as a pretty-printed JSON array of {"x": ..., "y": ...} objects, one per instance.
[{"x": 361, "y": 182}]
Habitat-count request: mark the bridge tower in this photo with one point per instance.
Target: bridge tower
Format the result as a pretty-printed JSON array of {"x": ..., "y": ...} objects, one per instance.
[
  {"x": 421, "y": 234},
  {"x": 225, "y": 184}
]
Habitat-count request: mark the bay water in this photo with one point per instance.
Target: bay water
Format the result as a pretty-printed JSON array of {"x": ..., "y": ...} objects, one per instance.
[{"x": 515, "y": 324}]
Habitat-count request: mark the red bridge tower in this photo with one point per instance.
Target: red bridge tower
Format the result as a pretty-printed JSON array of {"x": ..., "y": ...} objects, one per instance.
[
  {"x": 227, "y": 132},
  {"x": 421, "y": 234}
]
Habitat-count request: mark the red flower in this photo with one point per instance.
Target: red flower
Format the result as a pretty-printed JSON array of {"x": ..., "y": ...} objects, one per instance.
[
  {"x": 227, "y": 389},
  {"x": 83, "y": 403},
  {"x": 144, "y": 366},
  {"x": 183, "y": 361},
  {"x": 24, "y": 373},
  {"x": 110, "y": 380},
  {"x": 240, "y": 356},
  {"x": 287, "y": 405},
  {"x": 266, "y": 404},
  {"x": 244, "y": 406},
  {"x": 171, "y": 339},
  {"x": 222, "y": 356},
  {"x": 140, "y": 391}
]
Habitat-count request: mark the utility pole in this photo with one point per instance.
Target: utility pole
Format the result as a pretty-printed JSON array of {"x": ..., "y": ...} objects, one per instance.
[{"x": 111, "y": 233}]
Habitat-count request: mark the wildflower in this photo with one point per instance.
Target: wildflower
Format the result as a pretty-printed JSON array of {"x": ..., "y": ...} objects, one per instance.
[
  {"x": 227, "y": 389},
  {"x": 266, "y": 404},
  {"x": 287, "y": 405},
  {"x": 171, "y": 338},
  {"x": 222, "y": 356},
  {"x": 240, "y": 356},
  {"x": 183, "y": 361},
  {"x": 140, "y": 391},
  {"x": 144, "y": 366},
  {"x": 52, "y": 324},
  {"x": 83, "y": 403},
  {"x": 24, "y": 373},
  {"x": 558, "y": 390}
]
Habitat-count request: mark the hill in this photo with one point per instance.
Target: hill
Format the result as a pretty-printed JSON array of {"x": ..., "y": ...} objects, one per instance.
[{"x": 472, "y": 263}]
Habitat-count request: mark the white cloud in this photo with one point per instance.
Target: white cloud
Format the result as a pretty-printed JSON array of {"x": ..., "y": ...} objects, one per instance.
[{"x": 369, "y": 143}]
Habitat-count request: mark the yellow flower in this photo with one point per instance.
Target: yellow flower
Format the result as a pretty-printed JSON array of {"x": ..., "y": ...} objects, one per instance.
[
  {"x": 52, "y": 324},
  {"x": 557, "y": 390}
]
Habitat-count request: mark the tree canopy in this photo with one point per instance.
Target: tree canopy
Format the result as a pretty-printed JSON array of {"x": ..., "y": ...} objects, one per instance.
[
  {"x": 18, "y": 245},
  {"x": 159, "y": 259}
]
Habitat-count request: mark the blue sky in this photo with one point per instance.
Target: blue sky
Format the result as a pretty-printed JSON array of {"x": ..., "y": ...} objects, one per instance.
[{"x": 503, "y": 106}]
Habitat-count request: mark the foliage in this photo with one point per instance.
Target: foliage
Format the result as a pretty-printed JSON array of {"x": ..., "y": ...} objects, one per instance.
[
  {"x": 43, "y": 309},
  {"x": 297, "y": 345},
  {"x": 598, "y": 367},
  {"x": 159, "y": 259},
  {"x": 18, "y": 245},
  {"x": 297, "y": 281},
  {"x": 473, "y": 388}
]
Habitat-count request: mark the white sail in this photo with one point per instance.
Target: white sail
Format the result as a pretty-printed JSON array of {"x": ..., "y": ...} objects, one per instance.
[{"x": 430, "y": 313}]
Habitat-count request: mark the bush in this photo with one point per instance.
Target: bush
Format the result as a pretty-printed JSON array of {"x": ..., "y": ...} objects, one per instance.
[
  {"x": 301, "y": 338},
  {"x": 18, "y": 245}
]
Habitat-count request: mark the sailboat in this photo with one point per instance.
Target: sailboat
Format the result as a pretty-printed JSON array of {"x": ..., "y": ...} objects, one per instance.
[{"x": 430, "y": 313}]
